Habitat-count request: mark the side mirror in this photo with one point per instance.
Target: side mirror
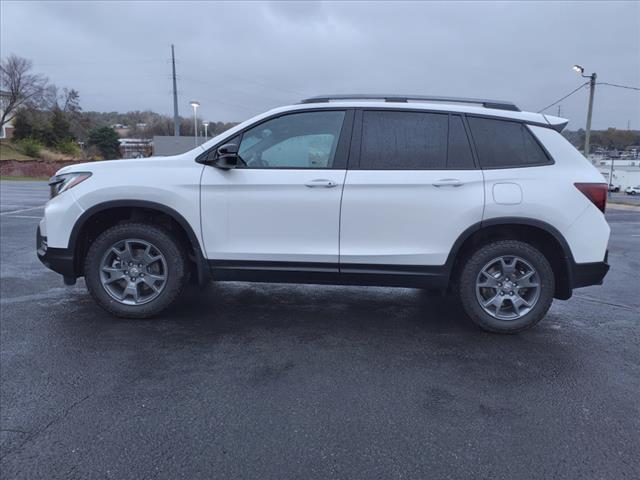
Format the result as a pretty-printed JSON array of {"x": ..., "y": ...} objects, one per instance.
[{"x": 227, "y": 157}]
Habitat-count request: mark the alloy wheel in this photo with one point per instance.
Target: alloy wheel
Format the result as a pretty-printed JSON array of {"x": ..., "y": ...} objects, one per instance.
[
  {"x": 508, "y": 287},
  {"x": 133, "y": 271}
]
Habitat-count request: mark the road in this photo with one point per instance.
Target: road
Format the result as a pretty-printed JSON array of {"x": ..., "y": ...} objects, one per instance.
[
  {"x": 283, "y": 381},
  {"x": 624, "y": 198}
]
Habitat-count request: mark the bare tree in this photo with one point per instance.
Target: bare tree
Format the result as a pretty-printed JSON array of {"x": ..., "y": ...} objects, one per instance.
[{"x": 19, "y": 87}]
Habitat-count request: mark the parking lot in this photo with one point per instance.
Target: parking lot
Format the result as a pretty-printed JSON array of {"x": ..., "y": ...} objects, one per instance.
[{"x": 285, "y": 381}]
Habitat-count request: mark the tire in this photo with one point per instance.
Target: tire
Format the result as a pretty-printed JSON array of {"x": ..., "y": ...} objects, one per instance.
[
  {"x": 519, "y": 260},
  {"x": 157, "y": 284}
]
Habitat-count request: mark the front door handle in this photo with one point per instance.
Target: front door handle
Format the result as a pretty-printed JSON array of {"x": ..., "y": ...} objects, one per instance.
[
  {"x": 448, "y": 182},
  {"x": 321, "y": 183}
]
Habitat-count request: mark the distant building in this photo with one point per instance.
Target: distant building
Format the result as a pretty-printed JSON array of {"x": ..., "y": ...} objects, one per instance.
[
  {"x": 135, "y": 147},
  {"x": 121, "y": 130},
  {"x": 168, "y": 145}
]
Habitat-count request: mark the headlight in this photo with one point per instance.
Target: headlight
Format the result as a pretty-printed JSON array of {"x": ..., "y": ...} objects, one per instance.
[{"x": 65, "y": 181}]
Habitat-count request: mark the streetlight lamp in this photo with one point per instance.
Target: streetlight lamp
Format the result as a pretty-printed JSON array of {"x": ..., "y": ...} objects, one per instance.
[
  {"x": 592, "y": 87},
  {"x": 195, "y": 106},
  {"x": 206, "y": 125}
]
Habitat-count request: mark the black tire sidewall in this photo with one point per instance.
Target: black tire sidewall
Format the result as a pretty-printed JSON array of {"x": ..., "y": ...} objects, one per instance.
[
  {"x": 164, "y": 241},
  {"x": 488, "y": 252}
]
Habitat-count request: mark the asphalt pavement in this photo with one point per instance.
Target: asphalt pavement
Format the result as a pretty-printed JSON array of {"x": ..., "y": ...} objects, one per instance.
[
  {"x": 283, "y": 381},
  {"x": 622, "y": 197}
]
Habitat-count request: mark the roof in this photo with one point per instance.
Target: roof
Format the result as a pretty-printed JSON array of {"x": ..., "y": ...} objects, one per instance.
[
  {"x": 481, "y": 107},
  {"x": 440, "y": 104},
  {"x": 393, "y": 98}
]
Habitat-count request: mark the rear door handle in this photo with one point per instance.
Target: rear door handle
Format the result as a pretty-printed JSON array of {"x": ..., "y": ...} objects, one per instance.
[
  {"x": 321, "y": 183},
  {"x": 448, "y": 182}
]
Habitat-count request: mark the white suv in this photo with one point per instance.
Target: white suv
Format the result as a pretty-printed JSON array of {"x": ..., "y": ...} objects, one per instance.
[{"x": 470, "y": 196}]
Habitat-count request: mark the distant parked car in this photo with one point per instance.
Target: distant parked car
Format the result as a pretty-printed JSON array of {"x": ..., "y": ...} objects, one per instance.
[
  {"x": 614, "y": 188},
  {"x": 633, "y": 190}
]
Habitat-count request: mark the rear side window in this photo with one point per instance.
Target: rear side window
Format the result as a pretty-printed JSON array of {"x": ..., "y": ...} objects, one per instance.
[
  {"x": 504, "y": 144},
  {"x": 394, "y": 140}
]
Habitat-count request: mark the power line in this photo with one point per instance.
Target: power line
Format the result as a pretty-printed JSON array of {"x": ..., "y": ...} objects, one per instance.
[
  {"x": 618, "y": 86},
  {"x": 566, "y": 96}
]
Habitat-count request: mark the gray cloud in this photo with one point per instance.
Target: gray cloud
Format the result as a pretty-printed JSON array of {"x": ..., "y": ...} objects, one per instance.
[{"x": 243, "y": 58}]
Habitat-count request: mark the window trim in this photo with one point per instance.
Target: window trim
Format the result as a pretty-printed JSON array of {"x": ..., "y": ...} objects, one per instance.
[
  {"x": 524, "y": 124},
  {"x": 355, "y": 157},
  {"x": 340, "y": 159}
]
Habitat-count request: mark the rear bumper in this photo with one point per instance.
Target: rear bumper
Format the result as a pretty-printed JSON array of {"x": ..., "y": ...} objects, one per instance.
[
  {"x": 60, "y": 260},
  {"x": 585, "y": 274}
]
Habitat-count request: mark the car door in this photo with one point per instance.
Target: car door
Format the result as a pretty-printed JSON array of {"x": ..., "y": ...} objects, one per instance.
[
  {"x": 280, "y": 208},
  {"x": 411, "y": 191}
]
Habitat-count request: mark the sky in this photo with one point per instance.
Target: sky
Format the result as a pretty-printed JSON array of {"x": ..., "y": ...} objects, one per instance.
[{"x": 240, "y": 59}]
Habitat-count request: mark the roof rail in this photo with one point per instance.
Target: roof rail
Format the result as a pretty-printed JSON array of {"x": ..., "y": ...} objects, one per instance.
[{"x": 497, "y": 104}]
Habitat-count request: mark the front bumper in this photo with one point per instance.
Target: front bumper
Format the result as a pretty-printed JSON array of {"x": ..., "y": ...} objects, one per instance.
[
  {"x": 585, "y": 274},
  {"x": 59, "y": 260}
]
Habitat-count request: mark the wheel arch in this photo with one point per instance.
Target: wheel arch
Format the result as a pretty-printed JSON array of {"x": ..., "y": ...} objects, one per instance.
[
  {"x": 103, "y": 215},
  {"x": 541, "y": 235}
]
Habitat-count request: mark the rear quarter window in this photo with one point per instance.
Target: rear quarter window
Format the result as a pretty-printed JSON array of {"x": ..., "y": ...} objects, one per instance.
[{"x": 505, "y": 144}]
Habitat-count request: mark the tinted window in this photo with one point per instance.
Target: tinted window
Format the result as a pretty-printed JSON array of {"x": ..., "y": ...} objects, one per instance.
[
  {"x": 299, "y": 140},
  {"x": 403, "y": 140},
  {"x": 501, "y": 143},
  {"x": 459, "y": 156}
]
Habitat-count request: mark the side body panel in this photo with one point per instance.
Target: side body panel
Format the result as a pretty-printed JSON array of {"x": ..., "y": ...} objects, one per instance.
[
  {"x": 403, "y": 218},
  {"x": 271, "y": 214},
  {"x": 548, "y": 194},
  {"x": 172, "y": 181}
]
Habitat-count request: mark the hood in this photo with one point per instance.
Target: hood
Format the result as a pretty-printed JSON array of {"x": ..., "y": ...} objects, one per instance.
[{"x": 125, "y": 163}]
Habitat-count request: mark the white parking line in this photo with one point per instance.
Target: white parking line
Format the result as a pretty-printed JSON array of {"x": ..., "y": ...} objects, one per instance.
[
  {"x": 22, "y": 210},
  {"x": 23, "y": 216}
]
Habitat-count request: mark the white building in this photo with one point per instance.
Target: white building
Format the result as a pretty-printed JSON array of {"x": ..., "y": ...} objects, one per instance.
[{"x": 624, "y": 176}]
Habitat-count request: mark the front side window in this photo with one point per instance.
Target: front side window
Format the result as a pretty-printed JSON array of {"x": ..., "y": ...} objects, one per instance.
[
  {"x": 505, "y": 144},
  {"x": 298, "y": 140}
]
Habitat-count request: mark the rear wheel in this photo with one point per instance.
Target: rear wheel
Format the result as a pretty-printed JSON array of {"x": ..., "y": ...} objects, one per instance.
[
  {"x": 506, "y": 286},
  {"x": 135, "y": 270}
]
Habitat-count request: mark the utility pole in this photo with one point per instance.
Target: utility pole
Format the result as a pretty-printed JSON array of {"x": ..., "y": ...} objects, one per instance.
[
  {"x": 176, "y": 120},
  {"x": 559, "y": 109},
  {"x": 587, "y": 136},
  {"x": 592, "y": 90}
]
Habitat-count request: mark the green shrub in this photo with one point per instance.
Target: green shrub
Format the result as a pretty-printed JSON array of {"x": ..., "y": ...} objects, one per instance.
[
  {"x": 30, "y": 147},
  {"x": 68, "y": 147}
]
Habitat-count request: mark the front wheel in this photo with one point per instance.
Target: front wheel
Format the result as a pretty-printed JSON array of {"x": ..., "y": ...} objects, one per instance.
[
  {"x": 135, "y": 270},
  {"x": 506, "y": 286}
]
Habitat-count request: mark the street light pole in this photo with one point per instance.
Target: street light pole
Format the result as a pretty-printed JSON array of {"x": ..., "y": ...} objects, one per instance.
[
  {"x": 206, "y": 125},
  {"x": 592, "y": 89},
  {"x": 195, "y": 106}
]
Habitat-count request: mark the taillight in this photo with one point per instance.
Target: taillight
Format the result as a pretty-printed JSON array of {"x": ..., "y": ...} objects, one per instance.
[{"x": 596, "y": 192}]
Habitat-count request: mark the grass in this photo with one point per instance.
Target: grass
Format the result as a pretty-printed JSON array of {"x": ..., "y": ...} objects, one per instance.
[{"x": 9, "y": 152}]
